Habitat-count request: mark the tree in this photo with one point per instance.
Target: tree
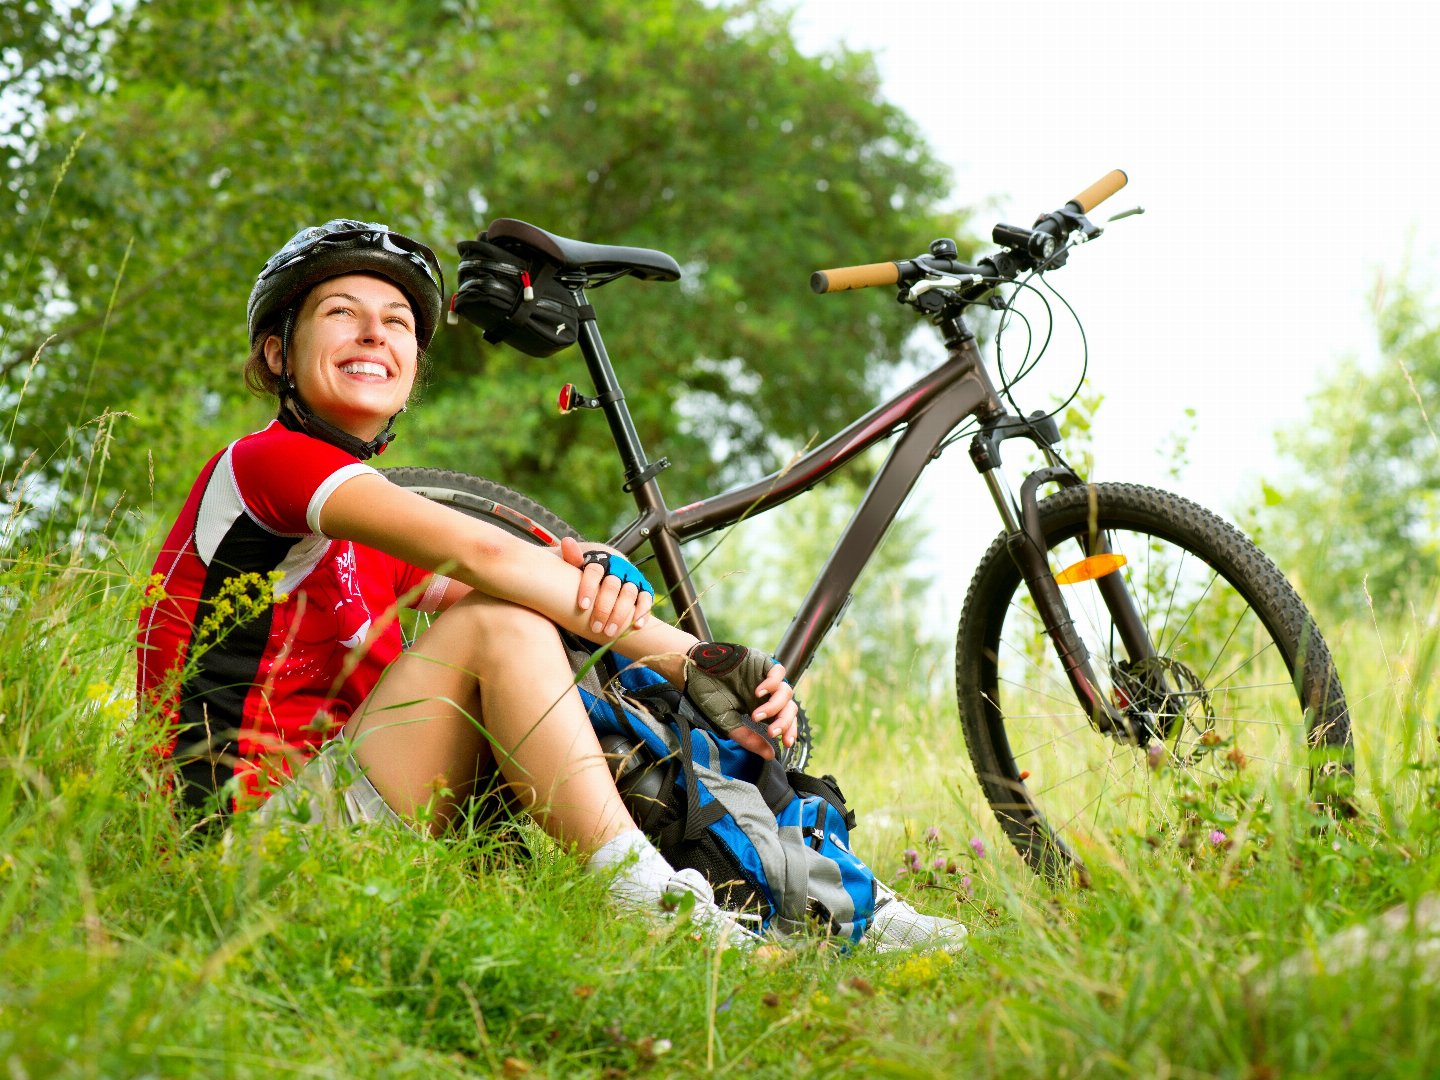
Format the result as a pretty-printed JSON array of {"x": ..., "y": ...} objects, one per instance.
[
  {"x": 697, "y": 129},
  {"x": 1362, "y": 513}
]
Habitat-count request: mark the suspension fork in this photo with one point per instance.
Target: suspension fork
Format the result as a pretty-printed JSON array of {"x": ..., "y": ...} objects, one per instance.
[{"x": 1025, "y": 541}]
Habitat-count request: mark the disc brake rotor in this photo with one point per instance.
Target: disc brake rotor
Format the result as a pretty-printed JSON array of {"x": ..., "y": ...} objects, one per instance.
[{"x": 1167, "y": 703}]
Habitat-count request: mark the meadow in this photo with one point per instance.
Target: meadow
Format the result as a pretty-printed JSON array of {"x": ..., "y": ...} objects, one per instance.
[{"x": 132, "y": 949}]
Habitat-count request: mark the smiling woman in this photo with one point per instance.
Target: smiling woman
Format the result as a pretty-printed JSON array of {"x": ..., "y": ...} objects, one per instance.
[
  {"x": 271, "y": 642},
  {"x": 355, "y": 353}
]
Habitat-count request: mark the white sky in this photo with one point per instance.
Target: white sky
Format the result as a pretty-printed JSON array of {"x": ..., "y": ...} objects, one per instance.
[{"x": 1284, "y": 154}]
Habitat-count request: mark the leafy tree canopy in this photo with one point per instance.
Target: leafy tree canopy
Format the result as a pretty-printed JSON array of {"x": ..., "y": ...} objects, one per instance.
[
  {"x": 164, "y": 162},
  {"x": 1363, "y": 512}
]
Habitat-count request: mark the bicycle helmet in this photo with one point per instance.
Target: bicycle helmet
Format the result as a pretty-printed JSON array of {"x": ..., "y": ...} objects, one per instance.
[
  {"x": 316, "y": 254},
  {"x": 345, "y": 246}
]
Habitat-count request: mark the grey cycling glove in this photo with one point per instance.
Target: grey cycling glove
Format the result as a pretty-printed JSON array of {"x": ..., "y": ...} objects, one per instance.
[{"x": 721, "y": 678}]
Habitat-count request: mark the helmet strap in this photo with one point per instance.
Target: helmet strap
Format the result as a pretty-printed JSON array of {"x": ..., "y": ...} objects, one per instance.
[{"x": 298, "y": 416}]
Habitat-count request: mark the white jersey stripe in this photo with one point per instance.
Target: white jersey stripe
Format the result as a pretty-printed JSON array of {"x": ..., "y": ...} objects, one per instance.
[{"x": 327, "y": 488}]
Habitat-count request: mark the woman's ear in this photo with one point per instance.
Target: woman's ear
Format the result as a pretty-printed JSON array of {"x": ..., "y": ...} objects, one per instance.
[{"x": 273, "y": 352}]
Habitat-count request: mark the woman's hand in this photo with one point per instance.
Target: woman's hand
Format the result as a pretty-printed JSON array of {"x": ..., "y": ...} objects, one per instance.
[
  {"x": 722, "y": 683},
  {"x": 617, "y": 605},
  {"x": 779, "y": 710}
]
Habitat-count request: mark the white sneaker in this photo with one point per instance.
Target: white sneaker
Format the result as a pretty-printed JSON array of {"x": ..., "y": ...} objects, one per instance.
[
  {"x": 897, "y": 925},
  {"x": 725, "y": 928}
]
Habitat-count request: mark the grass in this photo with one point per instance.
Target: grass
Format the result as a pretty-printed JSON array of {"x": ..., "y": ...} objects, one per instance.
[{"x": 128, "y": 949}]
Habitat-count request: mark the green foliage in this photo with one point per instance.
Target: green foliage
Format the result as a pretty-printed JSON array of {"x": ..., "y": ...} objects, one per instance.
[
  {"x": 1361, "y": 514},
  {"x": 697, "y": 129},
  {"x": 130, "y": 948}
]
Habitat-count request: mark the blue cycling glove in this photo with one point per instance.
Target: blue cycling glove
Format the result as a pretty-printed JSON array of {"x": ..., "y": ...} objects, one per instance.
[{"x": 618, "y": 566}]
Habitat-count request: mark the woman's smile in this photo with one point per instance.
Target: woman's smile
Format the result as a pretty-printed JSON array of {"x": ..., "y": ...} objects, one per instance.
[{"x": 367, "y": 370}]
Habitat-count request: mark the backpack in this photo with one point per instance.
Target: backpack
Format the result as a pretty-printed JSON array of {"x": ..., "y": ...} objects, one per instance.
[
  {"x": 515, "y": 297},
  {"x": 772, "y": 843}
]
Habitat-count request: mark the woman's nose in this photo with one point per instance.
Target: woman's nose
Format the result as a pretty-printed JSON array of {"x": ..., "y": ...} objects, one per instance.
[{"x": 372, "y": 328}]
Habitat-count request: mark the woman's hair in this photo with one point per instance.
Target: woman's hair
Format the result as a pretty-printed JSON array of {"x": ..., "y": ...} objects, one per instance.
[{"x": 259, "y": 379}]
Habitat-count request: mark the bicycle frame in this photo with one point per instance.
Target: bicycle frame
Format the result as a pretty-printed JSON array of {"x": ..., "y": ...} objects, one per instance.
[{"x": 924, "y": 413}]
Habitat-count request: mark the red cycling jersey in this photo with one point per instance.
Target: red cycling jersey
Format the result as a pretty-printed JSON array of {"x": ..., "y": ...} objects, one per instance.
[{"x": 254, "y": 685}]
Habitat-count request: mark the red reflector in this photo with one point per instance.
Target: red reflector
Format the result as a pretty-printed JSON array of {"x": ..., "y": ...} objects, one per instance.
[{"x": 567, "y": 397}]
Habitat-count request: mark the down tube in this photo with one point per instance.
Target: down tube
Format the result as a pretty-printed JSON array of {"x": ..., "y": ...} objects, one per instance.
[{"x": 862, "y": 536}]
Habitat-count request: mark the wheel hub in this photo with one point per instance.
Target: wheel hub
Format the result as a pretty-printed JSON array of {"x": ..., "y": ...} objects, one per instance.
[{"x": 1163, "y": 700}]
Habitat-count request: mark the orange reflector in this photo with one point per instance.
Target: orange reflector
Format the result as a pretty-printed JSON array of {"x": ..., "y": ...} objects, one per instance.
[
  {"x": 1096, "y": 566},
  {"x": 1025, "y": 774}
]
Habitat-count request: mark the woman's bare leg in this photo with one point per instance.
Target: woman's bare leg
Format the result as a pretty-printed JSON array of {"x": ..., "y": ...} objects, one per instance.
[{"x": 489, "y": 683}]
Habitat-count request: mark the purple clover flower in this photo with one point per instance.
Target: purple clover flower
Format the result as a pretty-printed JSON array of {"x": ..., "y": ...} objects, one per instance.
[
  {"x": 978, "y": 846},
  {"x": 939, "y": 863},
  {"x": 1217, "y": 838},
  {"x": 932, "y": 834}
]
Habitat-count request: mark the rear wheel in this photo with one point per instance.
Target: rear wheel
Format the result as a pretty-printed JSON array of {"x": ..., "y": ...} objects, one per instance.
[
  {"x": 1241, "y": 702},
  {"x": 522, "y": 516}
]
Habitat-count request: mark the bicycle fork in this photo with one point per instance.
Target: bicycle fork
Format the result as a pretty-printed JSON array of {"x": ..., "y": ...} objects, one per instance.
[{"x": 1025, "y": 541}]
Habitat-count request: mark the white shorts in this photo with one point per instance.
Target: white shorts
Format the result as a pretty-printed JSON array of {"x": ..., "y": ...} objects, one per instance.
[{"x": 332, "y": 790}]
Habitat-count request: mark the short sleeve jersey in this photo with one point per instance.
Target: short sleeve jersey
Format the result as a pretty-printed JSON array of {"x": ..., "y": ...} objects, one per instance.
[{"x": 263, "y": 635}]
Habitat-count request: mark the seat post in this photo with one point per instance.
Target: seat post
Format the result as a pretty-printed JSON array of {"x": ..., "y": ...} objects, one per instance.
[{"x": 612, "y": 402}]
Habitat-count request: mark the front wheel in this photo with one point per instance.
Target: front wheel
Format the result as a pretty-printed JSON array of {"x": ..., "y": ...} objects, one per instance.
[
  {"x": 1240, "y": 702},
  {"x": 522, "y": 516}
]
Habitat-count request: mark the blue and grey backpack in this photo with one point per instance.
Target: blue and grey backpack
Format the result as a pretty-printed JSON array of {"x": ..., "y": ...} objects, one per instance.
[{"x": 772, "y": 843}]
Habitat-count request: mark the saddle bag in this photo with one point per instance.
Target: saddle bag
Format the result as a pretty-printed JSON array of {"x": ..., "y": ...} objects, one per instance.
[
  {"x": 772, "y": 843},
  {"x": 514, "y": 296}
]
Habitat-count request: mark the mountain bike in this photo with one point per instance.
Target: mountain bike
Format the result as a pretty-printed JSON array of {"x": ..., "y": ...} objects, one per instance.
[{"x": 1122, "y": 655}]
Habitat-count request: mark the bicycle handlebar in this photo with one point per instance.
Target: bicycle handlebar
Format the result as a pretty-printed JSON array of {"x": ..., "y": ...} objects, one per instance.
[
  {"x": 842, "y": 278},
  {"x": 855, "y": 277},
  {"x": 1099, "y": 191}
]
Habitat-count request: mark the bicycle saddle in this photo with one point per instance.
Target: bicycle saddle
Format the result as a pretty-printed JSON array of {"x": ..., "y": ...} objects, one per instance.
[{"x": 600, "y": 259}]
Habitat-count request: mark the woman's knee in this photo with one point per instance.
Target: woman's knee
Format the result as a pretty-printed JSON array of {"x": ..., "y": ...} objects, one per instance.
[{"x": 499, "y": 622}]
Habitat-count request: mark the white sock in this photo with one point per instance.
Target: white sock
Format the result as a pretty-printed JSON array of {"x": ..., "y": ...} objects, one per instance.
[{"x": 641, "y": 873}]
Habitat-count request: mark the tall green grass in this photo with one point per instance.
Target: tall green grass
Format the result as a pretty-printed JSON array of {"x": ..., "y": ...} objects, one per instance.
[{"x": 129, "y": 948}]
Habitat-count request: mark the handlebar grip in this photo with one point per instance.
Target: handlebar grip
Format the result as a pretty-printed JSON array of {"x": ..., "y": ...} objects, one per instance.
[
  {"x": 1101, "y": 190},
  {"x": 854, "y": 277}
]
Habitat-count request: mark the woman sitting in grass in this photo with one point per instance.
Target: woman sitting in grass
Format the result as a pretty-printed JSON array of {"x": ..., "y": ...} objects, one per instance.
[{"x": 339, "y": 320}]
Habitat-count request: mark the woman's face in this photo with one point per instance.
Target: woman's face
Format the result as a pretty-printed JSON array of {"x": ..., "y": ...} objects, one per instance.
[{"x": 353, "y": 352}]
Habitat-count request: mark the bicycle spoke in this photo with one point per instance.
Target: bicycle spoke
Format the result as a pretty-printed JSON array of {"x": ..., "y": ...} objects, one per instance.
[{"x": 1051, "y": 742}]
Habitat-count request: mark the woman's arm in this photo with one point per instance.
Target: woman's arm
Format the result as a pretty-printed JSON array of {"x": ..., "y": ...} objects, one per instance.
[
  {"x": 370, "y": 510},
  {"x": 611, "y": 603}
]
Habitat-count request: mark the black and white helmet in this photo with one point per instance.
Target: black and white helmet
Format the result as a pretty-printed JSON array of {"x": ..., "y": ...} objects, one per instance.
[{"x": 345, "y": 246}]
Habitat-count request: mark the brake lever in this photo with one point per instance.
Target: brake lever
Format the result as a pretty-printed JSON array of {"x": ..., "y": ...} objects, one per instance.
[{"x": 939, "y": 281}]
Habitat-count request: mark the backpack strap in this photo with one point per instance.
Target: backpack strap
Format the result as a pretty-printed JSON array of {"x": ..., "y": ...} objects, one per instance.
[
  {"x": 827, "y": 788},
  {"x": 775, "y": 786},
  {"x": 772, "y": 782}
]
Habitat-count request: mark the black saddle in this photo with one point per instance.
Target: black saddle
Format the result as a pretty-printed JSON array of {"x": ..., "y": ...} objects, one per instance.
[{"x": 598, "y": 260}]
